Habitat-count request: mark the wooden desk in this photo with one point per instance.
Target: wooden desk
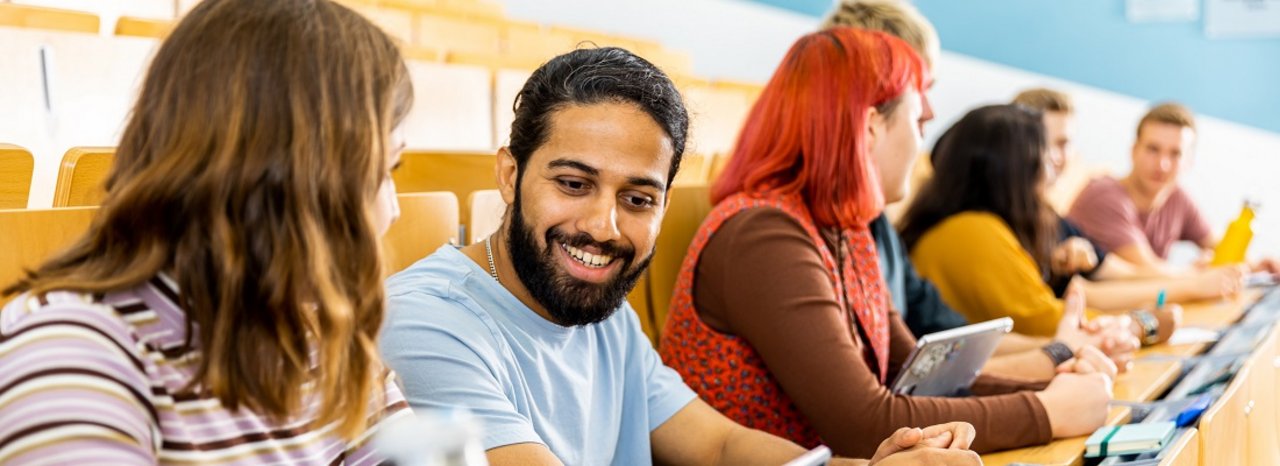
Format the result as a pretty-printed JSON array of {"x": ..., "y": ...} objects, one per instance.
[
  {"x": 1218, "y": 314},
  {"x": 1185, "y": 451},
  {"x": 1064, "y": 452},
  {"x": 1144, "y": 382},
  {"x": 1211, "y": 315}
]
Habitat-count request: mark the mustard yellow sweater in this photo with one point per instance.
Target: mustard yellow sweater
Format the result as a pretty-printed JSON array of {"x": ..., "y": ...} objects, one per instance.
[{"x": 984, "y": 273}]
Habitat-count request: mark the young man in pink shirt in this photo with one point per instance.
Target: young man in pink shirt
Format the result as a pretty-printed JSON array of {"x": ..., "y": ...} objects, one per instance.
[{"x": 1140, "y": 216}]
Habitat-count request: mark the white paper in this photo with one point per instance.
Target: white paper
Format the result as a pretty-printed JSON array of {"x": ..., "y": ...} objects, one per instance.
[{"x": 1190, "y": 335}]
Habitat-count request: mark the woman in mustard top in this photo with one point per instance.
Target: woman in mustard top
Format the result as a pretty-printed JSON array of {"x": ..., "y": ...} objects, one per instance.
[{"x": 982, "y": 232}]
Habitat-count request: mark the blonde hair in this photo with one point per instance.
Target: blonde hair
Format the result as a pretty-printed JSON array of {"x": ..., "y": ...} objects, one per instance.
[
  {"x": 896, "y": 17},
  {"x": 1171, "y": 113},
  {"x": 247, "y": 171},
  {"x": 1045, "y": 100}
]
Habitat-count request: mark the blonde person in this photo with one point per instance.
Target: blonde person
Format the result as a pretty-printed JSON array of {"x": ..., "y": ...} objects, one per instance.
[{"x": 224, "y": 305}]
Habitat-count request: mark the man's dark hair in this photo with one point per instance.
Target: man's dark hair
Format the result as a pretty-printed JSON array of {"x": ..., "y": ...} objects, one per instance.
[{"x": 590, "y": 76}]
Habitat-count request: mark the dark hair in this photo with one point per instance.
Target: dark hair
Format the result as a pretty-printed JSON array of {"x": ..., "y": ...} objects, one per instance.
[
  {"x": 992, "y": 160},
  {"x": 596, "y": 75}
]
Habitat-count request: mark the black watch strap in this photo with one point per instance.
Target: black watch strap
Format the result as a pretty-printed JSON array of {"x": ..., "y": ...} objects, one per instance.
[{"x": 1059, "y": 352}]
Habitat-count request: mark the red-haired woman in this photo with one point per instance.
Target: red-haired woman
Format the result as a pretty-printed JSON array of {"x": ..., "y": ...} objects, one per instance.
[{"x": 780, "y": 317}]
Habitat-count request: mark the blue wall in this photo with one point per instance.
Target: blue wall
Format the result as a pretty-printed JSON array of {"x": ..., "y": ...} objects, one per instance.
[{"x": 1091, "y": 42}]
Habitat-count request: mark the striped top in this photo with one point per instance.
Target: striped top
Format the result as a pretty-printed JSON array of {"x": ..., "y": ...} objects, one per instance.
[{"x": 99, "y": 379}]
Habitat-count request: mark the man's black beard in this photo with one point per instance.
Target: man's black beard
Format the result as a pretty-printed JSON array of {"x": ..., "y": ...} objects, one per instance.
[{"x": 569, "y": 300}]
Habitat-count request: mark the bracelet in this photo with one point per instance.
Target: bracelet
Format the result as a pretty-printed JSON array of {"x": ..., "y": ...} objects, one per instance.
[
  {"x": 1058, "y": 352},
  {"x": 1150, "y": 327}
]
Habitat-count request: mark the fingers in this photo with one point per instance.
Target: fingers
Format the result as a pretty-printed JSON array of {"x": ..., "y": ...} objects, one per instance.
[
  {"x": 959, "y": 435},
  {"x": 1059, "y": 260},
  {"x": 1123, "y": 363},
  {"x": 907, "y": 437},
  {"x": 1073, "y": 308},
  {"x": 1170, "y": 315},
  {"x": 901, "y": 440},
  {"x": 941, "y": 440},
  {"x": 1082, "y": 260},
  {"x": 933, "y": 457},
  {"x": 1073, "y": 256},
  {"x": 1077, "y": 366},
  {"x": 1097, "y": 361}
]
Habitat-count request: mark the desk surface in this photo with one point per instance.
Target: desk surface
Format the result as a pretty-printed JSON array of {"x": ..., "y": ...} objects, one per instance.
[{"x": 1146, "y": 380}]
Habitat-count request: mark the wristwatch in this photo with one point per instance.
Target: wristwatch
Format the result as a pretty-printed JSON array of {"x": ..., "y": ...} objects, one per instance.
[
  {"x": 1058, "y": 352},
  {"x": 1150, "y": 327}
]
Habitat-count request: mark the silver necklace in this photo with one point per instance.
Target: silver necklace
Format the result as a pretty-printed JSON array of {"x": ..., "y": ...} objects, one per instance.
[{"x": 488, "y": 251}]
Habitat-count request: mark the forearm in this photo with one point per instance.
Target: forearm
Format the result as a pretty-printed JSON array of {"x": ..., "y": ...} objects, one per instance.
[
  {"x": 1121, "y": 295},
  {"x": 1124, "y": 295},
  {"x": 1142, "y": 263},
  {"x": 749, "y": 446},
  {"x": 1033, "y": 365},
  {"x": 1017, "y": 343}
]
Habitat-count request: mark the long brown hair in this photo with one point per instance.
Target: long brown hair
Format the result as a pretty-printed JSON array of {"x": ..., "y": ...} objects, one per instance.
[
  {"x": 247, "y": 172},
  {"x": 992, "y": 161}
]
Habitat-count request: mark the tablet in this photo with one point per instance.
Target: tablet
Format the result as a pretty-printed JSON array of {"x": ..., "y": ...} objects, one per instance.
[
  {"x": 946, "y": 363},
  {"x": 815, "y": 457}
]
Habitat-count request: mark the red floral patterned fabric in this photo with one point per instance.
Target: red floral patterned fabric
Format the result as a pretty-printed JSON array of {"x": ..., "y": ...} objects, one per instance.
[{"x": 724, "y": 369}]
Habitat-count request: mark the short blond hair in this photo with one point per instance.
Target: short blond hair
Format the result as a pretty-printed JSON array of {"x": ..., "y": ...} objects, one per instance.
[
  {"x": 896, "y": 17},
  {"x": 1045, "y": 100},
  {"x": 1171, "y": 113}
]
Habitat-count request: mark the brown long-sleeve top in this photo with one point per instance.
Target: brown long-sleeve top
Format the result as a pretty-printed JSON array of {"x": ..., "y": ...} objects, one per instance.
[{"x": 762, "y": 278}]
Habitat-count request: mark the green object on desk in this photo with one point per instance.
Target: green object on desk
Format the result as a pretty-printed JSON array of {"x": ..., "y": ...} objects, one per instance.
[{"x": 1129, "y": 439}]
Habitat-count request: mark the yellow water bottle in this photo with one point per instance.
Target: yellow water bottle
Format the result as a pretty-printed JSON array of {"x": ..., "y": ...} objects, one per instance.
[{"x": 1236, "y": 241}]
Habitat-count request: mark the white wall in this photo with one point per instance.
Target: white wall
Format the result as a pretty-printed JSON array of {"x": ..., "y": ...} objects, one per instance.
[
  {"x": 159, "y": 9},
  {"x": 1231, "y": 162},
  {"x": 92, "y": 83},
  {"x": 745, "y": 41},
  {"x": 727, "y": 38}
]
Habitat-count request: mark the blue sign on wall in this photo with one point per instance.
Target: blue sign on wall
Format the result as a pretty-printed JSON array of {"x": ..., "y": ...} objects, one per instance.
[{"x": 1091, "y": 42}]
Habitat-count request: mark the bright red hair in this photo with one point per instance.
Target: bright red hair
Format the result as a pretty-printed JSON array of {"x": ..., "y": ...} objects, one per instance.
[{"x": 804, "y": 133}]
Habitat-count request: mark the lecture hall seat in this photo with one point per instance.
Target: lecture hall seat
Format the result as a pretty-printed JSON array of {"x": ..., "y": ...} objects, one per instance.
[
  {"x": 427, "y": 221},
  {"x": 689, "y": 205},
  {"x": 16, "y": 167},
  {"x": 31, "y": 236},
  {"x": 81, "y": 176}
]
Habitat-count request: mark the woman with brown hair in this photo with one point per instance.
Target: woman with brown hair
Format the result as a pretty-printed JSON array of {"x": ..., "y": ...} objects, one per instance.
[
  {"x": 224, "y": 305},
  {"x": 981, "y": 230}
]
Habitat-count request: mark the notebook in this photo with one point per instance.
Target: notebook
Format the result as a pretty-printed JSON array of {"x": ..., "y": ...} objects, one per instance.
[{"x": 1129, "y": 439}]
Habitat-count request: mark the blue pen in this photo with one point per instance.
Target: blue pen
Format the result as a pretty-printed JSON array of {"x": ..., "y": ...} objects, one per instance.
[
  {"x": 1160, "y": 300},
  {"x": 1192, "y": 412}
]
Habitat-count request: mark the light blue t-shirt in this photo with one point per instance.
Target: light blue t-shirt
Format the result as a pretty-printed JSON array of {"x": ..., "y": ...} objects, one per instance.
[{"x": 591, "y": 394}]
